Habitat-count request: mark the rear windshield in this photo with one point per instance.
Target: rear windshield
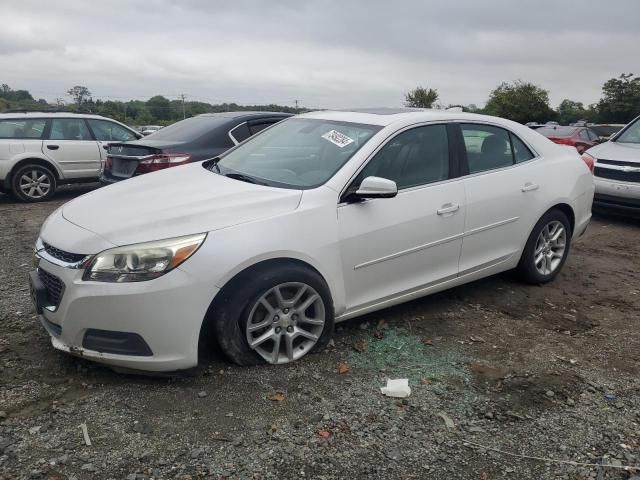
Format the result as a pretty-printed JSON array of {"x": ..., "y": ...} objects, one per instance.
[
  {"x": 189, "y": 129},
  {"x": 557, "y": 131}
]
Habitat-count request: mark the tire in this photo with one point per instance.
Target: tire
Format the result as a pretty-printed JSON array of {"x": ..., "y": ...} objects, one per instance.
[
  {"x": 541, "y": 243},
  {"x": 42, "y": 187},
  {"x": 241, "y": 307}
]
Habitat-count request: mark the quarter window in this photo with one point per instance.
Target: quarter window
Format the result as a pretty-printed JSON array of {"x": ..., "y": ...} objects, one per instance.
[
  {"x": 69, "y": 129},
  {"x": 22, "y": 128},
  {"x": 416, "y": 157},
  {"x": 110, "y": 132},
  {"x": 521, "y": 152}
]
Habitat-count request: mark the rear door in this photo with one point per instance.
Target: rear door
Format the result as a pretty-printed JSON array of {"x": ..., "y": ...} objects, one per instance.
[
  {"x": 72, "y": 146},
  {"x": 106, "y": 132},
  {"x": 503, "y": 185}
]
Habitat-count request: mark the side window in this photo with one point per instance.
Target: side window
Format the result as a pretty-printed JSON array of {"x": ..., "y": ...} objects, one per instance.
[
  {"x": 106, "y": 131},
  {"x": 416, "y": 157},
  {"x": 22, "y": 128},
  {"x": 521, "y": 152},
  {"x": 69, "y": 129},
  {"x": 592, "y": 135},
  {"x": 258, "y": 127},
  {"x": 487, "y": 147},
  {"x": 240, "y": 132},
  {"x": 584, "y": 135}
]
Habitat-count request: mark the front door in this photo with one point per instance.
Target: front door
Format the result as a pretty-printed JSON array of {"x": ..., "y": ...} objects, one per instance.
[
  {"x": 395, "y": 245},
  {"x": 71, "y": 145}
]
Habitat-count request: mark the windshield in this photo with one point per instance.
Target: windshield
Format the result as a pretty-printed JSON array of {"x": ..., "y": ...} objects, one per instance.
[
  {"x": 297, "y": 153},
  {"x": 631, "y": 134}
]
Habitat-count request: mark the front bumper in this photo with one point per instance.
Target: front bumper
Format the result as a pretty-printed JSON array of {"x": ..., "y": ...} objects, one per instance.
[
  {"x": 167, "y": 313},
  {"x": 623, "y": 196}
]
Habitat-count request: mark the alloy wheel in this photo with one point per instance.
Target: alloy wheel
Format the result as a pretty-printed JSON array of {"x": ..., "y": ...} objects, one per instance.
[
  {"x": 285, "y": 322},
  {"x": 550, "y": 247},
  {"x": 35, "y": 184}
]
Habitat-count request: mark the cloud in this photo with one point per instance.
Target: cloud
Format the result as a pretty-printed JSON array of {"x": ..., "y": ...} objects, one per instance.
[{"x": 324, "y": 53}]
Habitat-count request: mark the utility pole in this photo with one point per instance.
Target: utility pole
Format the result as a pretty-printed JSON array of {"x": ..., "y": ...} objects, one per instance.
[
  {"x": 296, "y": 104},
  {"x": 184, "y": 114}
]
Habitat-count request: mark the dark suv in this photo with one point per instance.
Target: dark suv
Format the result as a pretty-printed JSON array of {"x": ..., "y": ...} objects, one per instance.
[{"x": 197, "y": 138}]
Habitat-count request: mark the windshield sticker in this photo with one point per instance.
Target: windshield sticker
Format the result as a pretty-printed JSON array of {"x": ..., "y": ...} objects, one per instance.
[{"x": 337, "y": 138}]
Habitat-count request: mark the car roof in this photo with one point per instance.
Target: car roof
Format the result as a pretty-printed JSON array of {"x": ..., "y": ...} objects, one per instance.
[
  {"x": 46, "y": 114},
  {"x": 248, "y": 115},
  {"x": 388, "y": 116}
]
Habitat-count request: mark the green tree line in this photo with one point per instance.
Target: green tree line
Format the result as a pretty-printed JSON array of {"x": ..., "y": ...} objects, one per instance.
[
  {"x": 157, "y": 110},
  {"x": 525, "y": 102}
]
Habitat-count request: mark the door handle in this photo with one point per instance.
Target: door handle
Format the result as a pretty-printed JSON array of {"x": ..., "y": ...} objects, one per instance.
[
  {"x": 448, "y": 208},
  {"x": 53, "y": 147},
  {"x": 529, "y": 187}
]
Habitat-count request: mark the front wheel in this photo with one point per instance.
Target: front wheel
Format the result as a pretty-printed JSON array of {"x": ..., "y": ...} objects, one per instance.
[
  {"x": 546, "y": 249},
  {"x": 276, "y": 315}
]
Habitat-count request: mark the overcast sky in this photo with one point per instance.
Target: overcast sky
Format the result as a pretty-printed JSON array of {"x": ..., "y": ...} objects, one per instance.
[{"x": 332, "y": 54}]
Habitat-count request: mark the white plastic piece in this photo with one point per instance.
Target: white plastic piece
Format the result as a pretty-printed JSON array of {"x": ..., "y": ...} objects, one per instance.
[{"x": 398, "y": 388}]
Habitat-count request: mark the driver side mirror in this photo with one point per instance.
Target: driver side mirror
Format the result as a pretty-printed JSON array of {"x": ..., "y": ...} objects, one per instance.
[{"x": 374, "y": 187}]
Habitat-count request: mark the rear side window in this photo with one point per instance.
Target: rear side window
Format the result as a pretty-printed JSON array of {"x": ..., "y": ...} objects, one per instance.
[
  {"x": 584, "y": 135},
  {"x": 240, "y": 132},
  {"x": 415, "y": 157},
  {"x": 22, "y": 128},
  {"x": 106, "y": 131},
  {"x": 69, "y": 129},
  {"x": 521, "y": 152},
  {"x": 489, "y": 148},
  {"x": 258, "y": 127}
]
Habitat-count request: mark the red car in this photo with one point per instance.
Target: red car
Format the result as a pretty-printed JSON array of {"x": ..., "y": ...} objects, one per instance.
[{"x": 582, "y": 138}]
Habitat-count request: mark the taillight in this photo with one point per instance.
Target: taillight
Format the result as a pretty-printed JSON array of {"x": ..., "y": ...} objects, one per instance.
[
  {"x": 589, "y": 160},
  {"x": 162, "y": 161},
  {"x": 562, "y": 141}
]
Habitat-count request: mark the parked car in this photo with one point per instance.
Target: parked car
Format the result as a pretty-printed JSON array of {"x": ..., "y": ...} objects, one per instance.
[
  {"x": 149, "y": 129},
  {"x": 605, "y": 131},
  {"x": 617, "y": 170},
  {"x": 321, "y": 218},
  {"x": 582, "y": 138},
  {"x": 41, "y": 150},
  {"x": 197, "y": 138}
]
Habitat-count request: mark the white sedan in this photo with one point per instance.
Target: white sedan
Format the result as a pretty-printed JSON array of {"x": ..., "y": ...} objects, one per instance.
[{"x": 318, "y": 219}]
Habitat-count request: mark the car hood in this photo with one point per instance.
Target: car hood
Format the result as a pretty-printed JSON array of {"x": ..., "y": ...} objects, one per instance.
[
  {"x": 174, "y": 202},
  {"x": 625, "y": 152}
]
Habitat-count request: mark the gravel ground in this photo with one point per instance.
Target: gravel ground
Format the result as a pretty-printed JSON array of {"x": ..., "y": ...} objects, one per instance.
[{"x": 496, "y": 368}]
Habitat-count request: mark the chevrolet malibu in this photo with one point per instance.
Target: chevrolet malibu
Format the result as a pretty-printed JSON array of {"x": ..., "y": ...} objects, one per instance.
[{"x": 316, "y": 220}]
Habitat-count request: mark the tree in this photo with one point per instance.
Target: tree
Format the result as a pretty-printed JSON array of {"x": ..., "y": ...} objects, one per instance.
[
  {"x": 621, "y": 99},
  {"x": 570, "y": 111},
  {"x": 421, "y": 97},
  {"x": 79, "y": 94},
  {"x": 520, "y": 101},
  {"x": 159, "y": 107}
]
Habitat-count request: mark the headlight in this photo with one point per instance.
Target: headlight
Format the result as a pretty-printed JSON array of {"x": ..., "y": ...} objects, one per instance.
[{"x": 143, "y": 261}]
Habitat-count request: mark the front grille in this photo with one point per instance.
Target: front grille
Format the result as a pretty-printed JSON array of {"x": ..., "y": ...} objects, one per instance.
[
  {"x": 619, "y": 162},
  {"x": 62, "y": 255},
  {"x": 612, "y": 174},
  {"x": 54, "y": 286}
]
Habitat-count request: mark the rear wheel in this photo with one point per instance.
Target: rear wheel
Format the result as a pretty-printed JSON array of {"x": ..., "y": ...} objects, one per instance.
[
  {"x": 275, "y": 316},
  {"x": 33, "y": 183},
  {"x": 546, "y": 249}
]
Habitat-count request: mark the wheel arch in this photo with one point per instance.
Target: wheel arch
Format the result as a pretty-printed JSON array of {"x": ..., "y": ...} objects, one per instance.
[
  {"x": 235, "y": 280},
  {"x": 37, "y": 161}
]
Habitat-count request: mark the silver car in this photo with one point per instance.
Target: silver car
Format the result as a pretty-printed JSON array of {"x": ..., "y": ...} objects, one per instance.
[
  {"x": 41, "y": 150},
  {"x": 617, "y": 170}
]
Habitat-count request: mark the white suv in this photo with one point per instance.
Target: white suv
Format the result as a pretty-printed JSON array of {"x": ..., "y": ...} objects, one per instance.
[{"x": 41, "y": 150}]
